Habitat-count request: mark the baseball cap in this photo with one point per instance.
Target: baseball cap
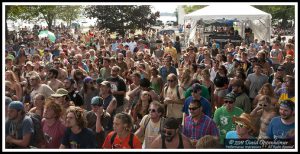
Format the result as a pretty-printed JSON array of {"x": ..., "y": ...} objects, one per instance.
[
  {"x": 31, "y": 73},
  {"x": 106, "y": 83},
  {"x": 288, "y": 104},
  {"x": 97, "y": 101},
  {"x": 60, "y": 92},
  {"x": 201, "y": 66},
  {"x": 17, "y": 105},
  {"x": 171, "y": 123},
  {"x": 10, "y": 57},
  {"x": 196, "y": 87},
  {"x": 29, "y": 63},
  {"x": 99, "y": 80},
  {"x": 145, "y": 82},
  {"x": 254, "y": 59},
  {"x": 87, "y": 79},
  {"x": 71, "y": 80},
  {"x": 8, "y": 100},
  {"x": 280, "y": 68},
  {"x": 230, "y": 97}
]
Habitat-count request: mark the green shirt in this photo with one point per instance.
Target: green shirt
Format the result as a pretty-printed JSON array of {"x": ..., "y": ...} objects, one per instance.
[
  {"x": 204, "y": 92},
  {"x": 223, "y": 119},
  {"x": 243, "y": 102}
]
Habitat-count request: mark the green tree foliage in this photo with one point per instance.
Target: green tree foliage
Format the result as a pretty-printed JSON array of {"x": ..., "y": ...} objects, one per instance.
[
  {"x": 191, "y": 8},
  {"x": 69, "y": 13},
  {"x": 121, "y": 18},
  {"x": 48, "y": 12},
  {"x": 279, "y": 12}
]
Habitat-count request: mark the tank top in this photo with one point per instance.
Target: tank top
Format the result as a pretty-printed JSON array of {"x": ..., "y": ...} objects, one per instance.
[
  {"x": 156, "y": 87},
  {"x": 106, "y": 101},
  {"x": 180, "y": 145}
]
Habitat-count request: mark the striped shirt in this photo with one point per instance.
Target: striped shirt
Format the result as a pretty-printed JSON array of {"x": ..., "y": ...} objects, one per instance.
[{"x": 196, "y": 130}]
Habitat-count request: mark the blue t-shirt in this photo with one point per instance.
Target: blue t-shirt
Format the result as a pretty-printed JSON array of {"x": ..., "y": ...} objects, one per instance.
[
  {"x": 83, "y": 140},
  {"x": 279, "y": 130},
  {"x": 231, "y": 135},
  {"x": 18, "y": 130},
  {"x": 164, "y": 72},
  {"x": 206, "y": 107}
]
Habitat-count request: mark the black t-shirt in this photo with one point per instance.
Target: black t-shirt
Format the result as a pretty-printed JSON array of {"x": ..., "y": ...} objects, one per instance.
[
  {"x": 220, "y": 81},
  {"x": 83, "y": 140},
  {"x": 106, "y": 122},
  {"x": 76, "y": 98},
  {"x": 118, "y": 84},
  {"x": 177, "y": 47}
]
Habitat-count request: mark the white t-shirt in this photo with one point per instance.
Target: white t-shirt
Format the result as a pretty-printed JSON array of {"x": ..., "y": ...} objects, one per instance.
[
  {"x": 151, "y": 132},
  {"x": 43, "y": 89}
]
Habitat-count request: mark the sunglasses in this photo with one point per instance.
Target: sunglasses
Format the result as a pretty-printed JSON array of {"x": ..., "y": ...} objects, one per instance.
[
  {"x": 230, "y": 102},
  {"x": 240, "y": 125},
  {"x": 193, "y": 108},
  {"x": 195, "y": 91},
  {"x": 263, "y": 105},
  {"x": 170, "y": 80},
  {"x": 152, "y": 110},
  {"x": 167, "y": 133}
]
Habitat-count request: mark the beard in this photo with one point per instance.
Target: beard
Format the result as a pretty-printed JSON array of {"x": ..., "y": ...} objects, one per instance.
[
  {"x": 286, "y": 117},
  {"x": 169, "y": 138}
]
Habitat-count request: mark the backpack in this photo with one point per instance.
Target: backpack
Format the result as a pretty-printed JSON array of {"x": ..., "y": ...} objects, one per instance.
[
  {"x": 147, "y": 120},
  {"x": 112, "y": 139},
  {"x": 38, "y": 134},
  {"x": 177, "y": 91}
]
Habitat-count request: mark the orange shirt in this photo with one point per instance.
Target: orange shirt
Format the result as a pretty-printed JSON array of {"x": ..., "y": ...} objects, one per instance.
[
  {"x": 121, "y": 143},
  {"x": 290, "y": 52}
]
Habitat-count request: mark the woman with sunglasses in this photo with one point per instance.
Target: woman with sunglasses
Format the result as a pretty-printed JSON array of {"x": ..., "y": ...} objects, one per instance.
[
  {"x": 245, "y": 128},
  {"x": 141, "y": 108},
  {"x": 263, "y": 114}
]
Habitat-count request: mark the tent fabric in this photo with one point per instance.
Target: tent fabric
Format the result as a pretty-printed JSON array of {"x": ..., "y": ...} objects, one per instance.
[{"x": 258, "y": 21}]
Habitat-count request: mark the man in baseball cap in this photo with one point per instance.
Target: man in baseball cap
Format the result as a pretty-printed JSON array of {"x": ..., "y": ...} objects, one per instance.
[
  {"x": 19, "y": 127},
  {"x": 61, "y": 97}
]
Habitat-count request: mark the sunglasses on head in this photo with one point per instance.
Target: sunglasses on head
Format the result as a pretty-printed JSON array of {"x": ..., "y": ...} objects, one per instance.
[{"x": 230, "y": 102}]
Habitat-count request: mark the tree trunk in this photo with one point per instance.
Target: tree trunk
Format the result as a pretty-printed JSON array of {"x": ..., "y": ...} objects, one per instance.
[
  {"x": 284, "y": 23},
  {"x": 6, "y": 28}
]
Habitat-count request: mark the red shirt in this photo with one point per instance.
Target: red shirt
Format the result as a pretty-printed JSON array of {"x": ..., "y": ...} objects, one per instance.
[
  {"x": 121, "y": 143},
  {"x": 290, "y": 52}
]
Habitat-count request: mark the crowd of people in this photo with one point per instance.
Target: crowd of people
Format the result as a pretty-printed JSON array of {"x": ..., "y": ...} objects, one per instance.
[{"x": 91, "y": 91}]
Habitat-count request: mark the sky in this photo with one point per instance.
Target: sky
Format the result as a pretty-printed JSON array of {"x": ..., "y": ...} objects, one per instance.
[{"x": 165, "y": 8}]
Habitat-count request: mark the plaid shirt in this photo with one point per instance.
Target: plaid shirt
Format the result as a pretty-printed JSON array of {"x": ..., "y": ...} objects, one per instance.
[{"x": 204, "y": 126}]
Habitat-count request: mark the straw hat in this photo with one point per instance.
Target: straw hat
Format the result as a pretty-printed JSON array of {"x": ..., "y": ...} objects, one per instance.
[{"x": 245, "y": 119}]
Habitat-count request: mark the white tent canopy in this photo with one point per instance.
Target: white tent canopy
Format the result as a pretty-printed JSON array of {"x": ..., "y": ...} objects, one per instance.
[{"x": 257, "y": 20}]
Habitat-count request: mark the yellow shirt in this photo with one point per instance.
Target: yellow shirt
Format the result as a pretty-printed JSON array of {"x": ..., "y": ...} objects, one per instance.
[
  {"x": 284, "y": 96},
  {"x": 172, "y": 51}
]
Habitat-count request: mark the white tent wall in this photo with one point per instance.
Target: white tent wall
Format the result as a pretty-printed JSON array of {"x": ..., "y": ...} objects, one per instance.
[{"x": 260, "y": 22}]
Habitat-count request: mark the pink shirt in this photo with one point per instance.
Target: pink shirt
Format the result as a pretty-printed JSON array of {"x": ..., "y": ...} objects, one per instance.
[{"x": 53, "y": 134}]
